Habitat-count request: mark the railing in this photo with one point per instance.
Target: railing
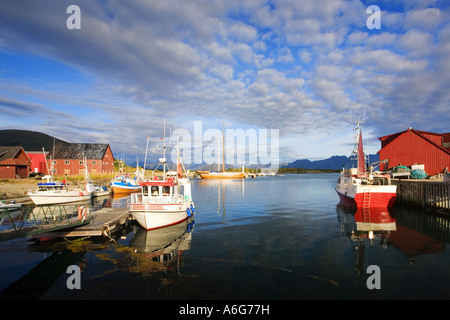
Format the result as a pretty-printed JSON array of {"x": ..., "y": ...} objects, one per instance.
[{"x": 31, "y": 219}]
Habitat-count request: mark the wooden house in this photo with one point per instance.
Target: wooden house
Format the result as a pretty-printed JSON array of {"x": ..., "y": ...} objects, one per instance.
[
  {"x": 68, "y": 158},
  {"x": 14, "y": 162}
]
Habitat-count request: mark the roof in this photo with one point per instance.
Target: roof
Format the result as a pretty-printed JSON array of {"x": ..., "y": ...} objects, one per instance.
[
  {"x": 170, "y": 182},
  {"x": 78, "y": 150},
  {"x": 421, "y": 134},
  {"x": 8, "y": 155}
]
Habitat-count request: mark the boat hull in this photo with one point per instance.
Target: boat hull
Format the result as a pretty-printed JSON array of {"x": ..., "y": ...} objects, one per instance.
[
  {"x": 154, "y": 216},
  {"x": 121, "y": 188},
  {"x": 222, "y": 175},
  {"x": 45, "y": 198},
  {"x": 368, "y": 196}
]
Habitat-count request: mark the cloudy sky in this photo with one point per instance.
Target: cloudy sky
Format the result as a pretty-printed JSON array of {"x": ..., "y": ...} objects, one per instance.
[{"x": 302, "y": 67}]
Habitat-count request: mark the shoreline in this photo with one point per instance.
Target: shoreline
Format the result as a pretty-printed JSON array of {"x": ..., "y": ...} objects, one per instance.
[{"x": 18, "y": 188}]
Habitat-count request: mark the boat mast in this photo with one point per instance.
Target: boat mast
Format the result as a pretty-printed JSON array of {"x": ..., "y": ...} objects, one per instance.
[
  {"x": 164, "y": 151},
  {"x": 146, "y": 150},
  {"x": 361, "y": 162},
  {"x": 223, "y": 146}
]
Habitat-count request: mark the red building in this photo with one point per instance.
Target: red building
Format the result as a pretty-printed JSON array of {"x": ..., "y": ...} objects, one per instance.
[
  {"x": 14, "y": 163},
  {"x": 416, "y": 147},
  {"x": 37, "y": 162},
  {"x": 68, "y": 158}
]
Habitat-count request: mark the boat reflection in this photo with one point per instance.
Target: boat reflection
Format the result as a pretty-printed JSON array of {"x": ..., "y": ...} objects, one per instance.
[
  {"x": 411, "y": 231},
  {"x": 365, "y": 227},
  {"x": 370, "y": 223},
  {"x": 164, "y": 245}
]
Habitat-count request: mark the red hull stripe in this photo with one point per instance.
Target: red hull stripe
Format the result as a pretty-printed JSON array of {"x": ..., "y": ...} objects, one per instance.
[
  {"x": 377, "y": 200},
  {"x": 167, "y": 225}
]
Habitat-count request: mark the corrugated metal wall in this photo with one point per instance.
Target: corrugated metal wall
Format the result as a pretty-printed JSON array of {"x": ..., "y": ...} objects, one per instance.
[{"x": 409, "y": 148}]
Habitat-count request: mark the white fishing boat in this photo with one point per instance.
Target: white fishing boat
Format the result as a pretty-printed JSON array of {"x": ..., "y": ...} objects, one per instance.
[
  {"x": 165, "y": 202},
  {"x": 365, "y": 188},
  {"x": 55, "y": 192}
]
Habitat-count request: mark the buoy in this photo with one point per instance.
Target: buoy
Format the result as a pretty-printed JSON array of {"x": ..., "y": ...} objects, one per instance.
[{"x": 82, "y": 213}]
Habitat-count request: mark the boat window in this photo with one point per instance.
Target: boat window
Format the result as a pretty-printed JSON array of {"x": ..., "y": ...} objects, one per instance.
[
  {"x": 145, "y": 190},
  {"x": 166, "y": 191},
  {"x": 155, "y": 191}
]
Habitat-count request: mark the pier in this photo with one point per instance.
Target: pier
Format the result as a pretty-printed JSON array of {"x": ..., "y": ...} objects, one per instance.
[
  {"x": 60, "y": 221},
  {"x": 103, "y": 223},
  {"x": 424, "y": 193}
]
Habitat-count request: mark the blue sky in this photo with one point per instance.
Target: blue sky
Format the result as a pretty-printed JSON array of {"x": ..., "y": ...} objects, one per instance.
[{"x": 301, "y": 66}]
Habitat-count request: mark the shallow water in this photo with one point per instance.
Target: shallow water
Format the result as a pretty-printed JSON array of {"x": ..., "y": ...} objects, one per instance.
[{"x": 282, "y": 237}]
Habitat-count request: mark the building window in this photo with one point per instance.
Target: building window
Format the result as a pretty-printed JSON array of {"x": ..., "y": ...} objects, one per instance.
[
  {"x": 67, "y": 162},
  {"x": 81, "y": 171},
  {"x": 67, "y": 171},
  {"x": 94, "y": 162},
  {"x": 81, "y": 162}
]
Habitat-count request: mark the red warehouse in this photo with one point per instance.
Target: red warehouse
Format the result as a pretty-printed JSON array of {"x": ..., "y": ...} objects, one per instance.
[
  {"x": 416, "y": 147},
  {"x": 68, "y": 158}
]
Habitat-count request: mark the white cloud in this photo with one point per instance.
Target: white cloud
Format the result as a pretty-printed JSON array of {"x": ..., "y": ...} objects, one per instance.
[
  {"x": 427, "y": 19},
  {"x": 299, "y": 66}
]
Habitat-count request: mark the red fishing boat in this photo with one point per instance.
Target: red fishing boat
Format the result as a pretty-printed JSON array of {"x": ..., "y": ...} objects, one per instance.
[{"x": 363, "y": 187}]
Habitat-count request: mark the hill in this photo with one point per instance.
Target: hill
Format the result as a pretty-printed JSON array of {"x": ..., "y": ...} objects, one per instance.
[
  {"x": 332, "y": 163},
  {"x": 29, "y": 140}
]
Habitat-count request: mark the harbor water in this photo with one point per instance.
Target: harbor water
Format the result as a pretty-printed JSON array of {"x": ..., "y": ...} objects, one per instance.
[{"x": 275, "y": 237}]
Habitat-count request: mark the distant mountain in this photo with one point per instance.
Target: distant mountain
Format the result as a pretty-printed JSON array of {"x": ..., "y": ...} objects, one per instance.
[
  {"x": 29, "y": 140},
  {"x": 333, "y": 163}
]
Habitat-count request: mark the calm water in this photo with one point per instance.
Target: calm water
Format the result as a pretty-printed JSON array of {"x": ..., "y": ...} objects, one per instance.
[{"x": 265, "y": 238}]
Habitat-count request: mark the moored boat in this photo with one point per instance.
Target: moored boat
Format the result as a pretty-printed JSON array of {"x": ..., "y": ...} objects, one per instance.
[
  {"x": 365, "y": 188},
  {"x": 165, "y": 202},
  {"x": 221, "y": 175},
  {"x": 100, "y": 191},
  {"x": 54, "y": 192},
  {"x": 124, "y": 185}
]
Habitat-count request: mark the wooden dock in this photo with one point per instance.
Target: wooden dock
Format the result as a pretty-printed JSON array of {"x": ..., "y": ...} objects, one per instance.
[
  {"x": 424, "y": 193},
  {"x": 104, "y": 222}
]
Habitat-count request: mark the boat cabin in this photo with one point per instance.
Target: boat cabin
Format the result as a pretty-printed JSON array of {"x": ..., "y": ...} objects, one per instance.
[
  {"x": 162, "y": 192},
  {"x": 159, "y": 188},
  {"x": 49, "y": 184}
]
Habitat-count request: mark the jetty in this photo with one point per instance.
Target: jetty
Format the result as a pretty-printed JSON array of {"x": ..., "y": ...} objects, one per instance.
[
  {"x": 424, "y": 193},
  {"x": 102, "y": 223},
  {"x": 62, "y": 221}
]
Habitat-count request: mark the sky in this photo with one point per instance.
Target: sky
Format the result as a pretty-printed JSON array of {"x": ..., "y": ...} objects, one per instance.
[{"x": 306, "y": 69}]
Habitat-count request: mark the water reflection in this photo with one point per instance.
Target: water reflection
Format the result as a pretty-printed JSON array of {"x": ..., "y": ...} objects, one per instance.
[
  {"x": 409, "y": 230},
  {"x": 365, "y": 227},
  {"x": 40, "y": 279},
  {"x": 164, "y": 246}
]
